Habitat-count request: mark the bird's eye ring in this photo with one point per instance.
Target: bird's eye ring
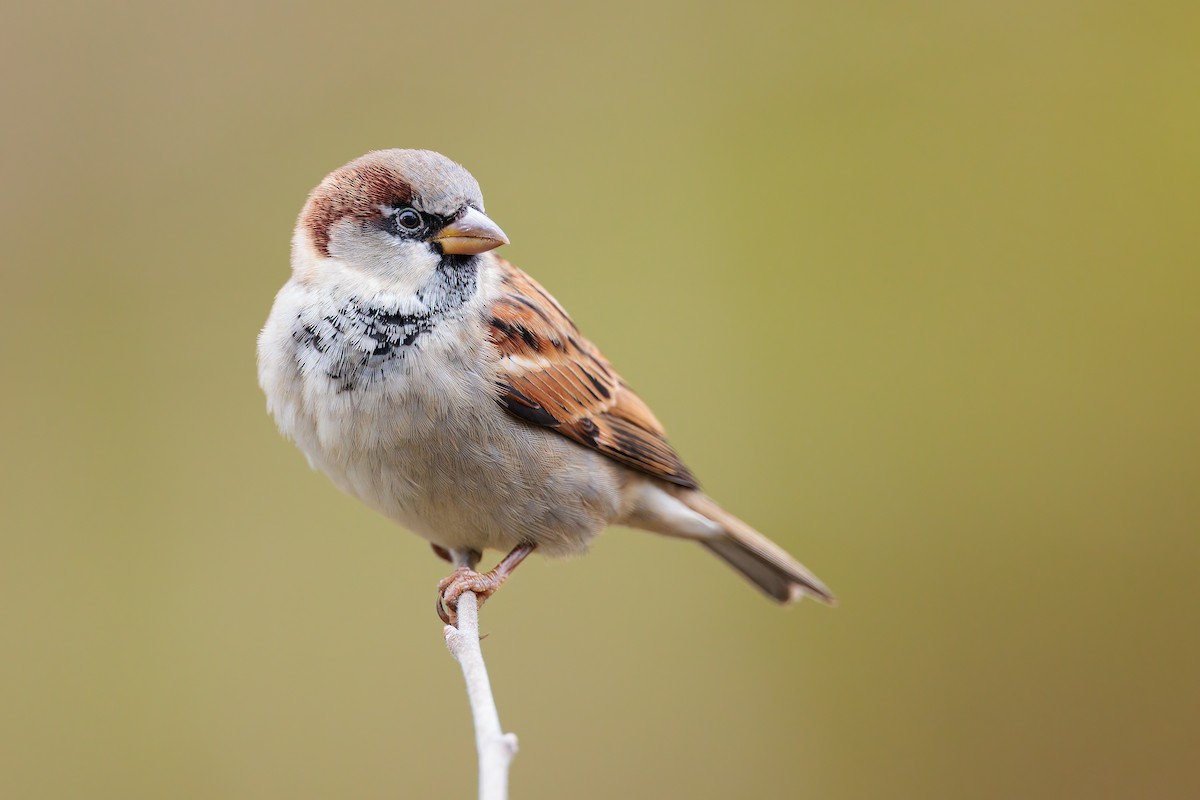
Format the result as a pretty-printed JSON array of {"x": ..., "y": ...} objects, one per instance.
[{"x": 408, "y": 220}]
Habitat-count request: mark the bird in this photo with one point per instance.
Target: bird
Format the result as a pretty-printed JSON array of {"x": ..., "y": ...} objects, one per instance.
[{"x": 446, "y": 389}]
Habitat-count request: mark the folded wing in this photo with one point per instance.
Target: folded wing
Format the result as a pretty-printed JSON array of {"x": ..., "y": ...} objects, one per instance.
[{"x": 551, "y": 376}]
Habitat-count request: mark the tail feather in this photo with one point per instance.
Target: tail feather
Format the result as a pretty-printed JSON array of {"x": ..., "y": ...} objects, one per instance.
[{"x": 764, "y": 563}]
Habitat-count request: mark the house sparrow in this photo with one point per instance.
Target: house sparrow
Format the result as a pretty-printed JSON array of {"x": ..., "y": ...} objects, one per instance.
[{"x": 446, "y": 389}]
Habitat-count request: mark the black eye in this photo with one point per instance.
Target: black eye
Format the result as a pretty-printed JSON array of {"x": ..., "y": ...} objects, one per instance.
[{"x": 408, "y": 220}]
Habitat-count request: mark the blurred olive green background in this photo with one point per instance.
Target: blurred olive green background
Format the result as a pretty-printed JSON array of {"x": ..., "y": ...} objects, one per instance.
[{"x": 915, "y": 288}]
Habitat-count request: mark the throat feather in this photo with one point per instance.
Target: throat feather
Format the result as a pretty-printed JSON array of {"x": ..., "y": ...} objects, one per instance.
[{"x": 366, "y": 340}]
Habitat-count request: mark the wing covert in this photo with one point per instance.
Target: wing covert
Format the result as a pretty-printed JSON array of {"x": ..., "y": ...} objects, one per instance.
[{"x": 550, "y": 375}]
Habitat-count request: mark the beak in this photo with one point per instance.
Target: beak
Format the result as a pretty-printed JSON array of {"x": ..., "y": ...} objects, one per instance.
[{"x": 470, "y": 234}]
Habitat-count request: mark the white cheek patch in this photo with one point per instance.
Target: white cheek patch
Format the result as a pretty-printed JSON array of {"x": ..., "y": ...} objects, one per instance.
[{"x": 397, "y": 265}]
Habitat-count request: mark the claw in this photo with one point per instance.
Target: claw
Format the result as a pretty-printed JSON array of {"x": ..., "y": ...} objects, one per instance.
[
  {"x": 464, "y": 579},
  {"x": 483, "y": 584}
]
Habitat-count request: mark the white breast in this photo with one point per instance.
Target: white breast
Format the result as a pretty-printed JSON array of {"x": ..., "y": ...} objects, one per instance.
[{"x": 417, "y": 433}]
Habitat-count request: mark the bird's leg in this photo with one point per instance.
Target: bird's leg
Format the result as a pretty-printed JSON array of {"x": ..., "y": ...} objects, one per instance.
[
  {"x": 460, "y": 557},
  {"x": 483, "y": 584}
]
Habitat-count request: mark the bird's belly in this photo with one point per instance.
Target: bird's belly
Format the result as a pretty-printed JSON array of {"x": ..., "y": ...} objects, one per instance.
[{"x": 432, "y": 449}]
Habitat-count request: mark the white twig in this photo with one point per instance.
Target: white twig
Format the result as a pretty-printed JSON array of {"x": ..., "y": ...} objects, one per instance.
[{"x": 496, "y": 748}]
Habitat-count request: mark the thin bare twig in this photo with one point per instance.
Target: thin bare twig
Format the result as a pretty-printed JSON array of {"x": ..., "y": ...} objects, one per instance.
[{"x": 496, "y": 748}]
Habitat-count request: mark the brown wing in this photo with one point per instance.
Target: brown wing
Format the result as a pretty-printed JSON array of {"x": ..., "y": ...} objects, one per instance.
[{"x": 550, "y": 375}]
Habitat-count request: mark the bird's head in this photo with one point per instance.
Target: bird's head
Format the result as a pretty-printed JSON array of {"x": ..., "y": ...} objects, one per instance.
[{"x": 394, "y": 216}]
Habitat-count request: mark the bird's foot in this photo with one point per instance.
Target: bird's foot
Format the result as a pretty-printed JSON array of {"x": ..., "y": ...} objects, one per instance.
[
  {"x": 482, "y": 584},
  {"x": 464, "y": 579}
]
